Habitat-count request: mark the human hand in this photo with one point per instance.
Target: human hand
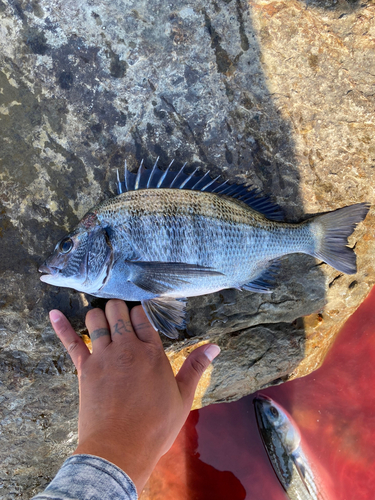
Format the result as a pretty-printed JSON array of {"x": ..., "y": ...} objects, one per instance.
[{"x": 132, "y": 407}]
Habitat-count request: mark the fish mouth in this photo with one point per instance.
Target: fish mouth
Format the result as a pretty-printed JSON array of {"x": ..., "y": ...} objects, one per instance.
[
  {"x": 50, "y": 272},
  {"x": 261, "y": 398},
  {"x": 259, "y": 404},
  {"x": 48, "y": 269}
]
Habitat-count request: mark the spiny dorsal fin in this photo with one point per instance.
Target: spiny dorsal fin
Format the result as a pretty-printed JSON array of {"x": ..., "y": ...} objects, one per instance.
[{"x": 155, "y": 178}]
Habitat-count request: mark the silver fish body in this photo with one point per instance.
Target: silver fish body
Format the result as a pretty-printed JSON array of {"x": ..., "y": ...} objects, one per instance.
[
  {"x": 176, "y": 226},
  {"x": 282, "y": 441},
  {"x": 160, "y": 245}
]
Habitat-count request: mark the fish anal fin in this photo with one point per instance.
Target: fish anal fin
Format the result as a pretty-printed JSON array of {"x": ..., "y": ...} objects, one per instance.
[
  {"x": 166, "y": 314},
  {"x": 160, "y": 277},
  {"x": 266, "y": 281}
]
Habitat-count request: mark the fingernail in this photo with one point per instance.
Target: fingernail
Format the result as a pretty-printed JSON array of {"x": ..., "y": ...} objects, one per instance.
[
  {"x": 212, "y": 351},
  {"x": 54, "y": 316}
]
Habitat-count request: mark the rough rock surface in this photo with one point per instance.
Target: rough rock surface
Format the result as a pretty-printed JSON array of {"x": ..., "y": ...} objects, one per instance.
[{"x": 278, "y": 94}]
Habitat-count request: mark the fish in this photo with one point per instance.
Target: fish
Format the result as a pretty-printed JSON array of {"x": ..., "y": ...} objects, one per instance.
[
  {"x": 167, "y": 236},
  {"x": 282, "y": 441}
]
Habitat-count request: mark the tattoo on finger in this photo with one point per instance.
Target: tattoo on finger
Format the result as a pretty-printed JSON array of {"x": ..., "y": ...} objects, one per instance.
[
  {"x": 122, "y": 326},
  {"x": 144, "y": 326},
  {"x": 100, "y": 332}
]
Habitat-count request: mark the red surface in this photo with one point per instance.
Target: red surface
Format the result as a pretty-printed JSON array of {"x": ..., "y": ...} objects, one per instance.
[{"x": 219, "y": 455}]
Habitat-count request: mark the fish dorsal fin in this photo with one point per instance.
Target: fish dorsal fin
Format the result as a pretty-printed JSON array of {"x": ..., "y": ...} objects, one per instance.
[{"x": 155, "y": 178}]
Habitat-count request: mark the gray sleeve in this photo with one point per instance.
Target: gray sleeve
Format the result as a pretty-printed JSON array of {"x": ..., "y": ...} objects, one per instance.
[{"x": 85, "y": 477}]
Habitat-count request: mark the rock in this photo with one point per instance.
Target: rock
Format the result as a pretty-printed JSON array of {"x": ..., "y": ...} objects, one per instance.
[{"x": 277, "y": 94}]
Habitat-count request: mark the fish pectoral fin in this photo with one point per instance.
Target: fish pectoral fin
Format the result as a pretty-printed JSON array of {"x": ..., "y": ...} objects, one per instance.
[
  {"x": 161, "y": 277},
  {"x": 266, "y": 281},
  {"x": 301, "y": 469},
  {"x": 166, "y": 314}
]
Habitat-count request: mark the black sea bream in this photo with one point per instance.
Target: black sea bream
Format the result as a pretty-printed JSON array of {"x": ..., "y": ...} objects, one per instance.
[{"x": 167, "y": 236}]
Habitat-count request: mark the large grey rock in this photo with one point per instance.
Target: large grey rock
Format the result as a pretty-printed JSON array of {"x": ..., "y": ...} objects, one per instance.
[{"x": 277, "y": 94}]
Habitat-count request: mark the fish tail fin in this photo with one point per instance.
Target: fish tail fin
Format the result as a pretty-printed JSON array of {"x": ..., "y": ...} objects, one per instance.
[{"x": 331, "y": 232}]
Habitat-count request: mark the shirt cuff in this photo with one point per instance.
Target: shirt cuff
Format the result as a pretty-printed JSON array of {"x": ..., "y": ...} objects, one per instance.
[{"x": 87, "y": 477}]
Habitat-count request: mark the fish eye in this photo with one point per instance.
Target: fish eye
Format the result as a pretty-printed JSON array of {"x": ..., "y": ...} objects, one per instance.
[
  {"x": 66, "y": 245},
  {"x": 274, "y": 412}
]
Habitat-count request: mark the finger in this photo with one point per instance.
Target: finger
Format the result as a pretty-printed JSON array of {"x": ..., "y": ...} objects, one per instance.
[
  {"x": 143, "y": 328},
  {"x": 192, "y": 370},
  {"x": 118, "y": 318},
  {"x": 98, "y": 329},
  {"x": 72, "y": 342}
]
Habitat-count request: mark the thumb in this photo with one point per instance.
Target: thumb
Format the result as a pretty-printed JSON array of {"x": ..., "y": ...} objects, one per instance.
[{"x": 193, "y": 368}]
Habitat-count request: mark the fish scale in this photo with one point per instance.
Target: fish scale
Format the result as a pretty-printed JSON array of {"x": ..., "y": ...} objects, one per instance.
[
  {"x": 212, "y": 232},
  {"x": 168, "y": 236}
]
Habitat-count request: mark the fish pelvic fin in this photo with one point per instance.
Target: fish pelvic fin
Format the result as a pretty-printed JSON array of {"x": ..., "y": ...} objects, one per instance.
[
  {"x": 166, "y": 315},
  {"x": 304, "y": 472},
  {"x": 331, "y": 232}
]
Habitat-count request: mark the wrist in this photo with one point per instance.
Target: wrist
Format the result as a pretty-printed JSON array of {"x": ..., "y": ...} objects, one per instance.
[{"x": 137, "y": 468}]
